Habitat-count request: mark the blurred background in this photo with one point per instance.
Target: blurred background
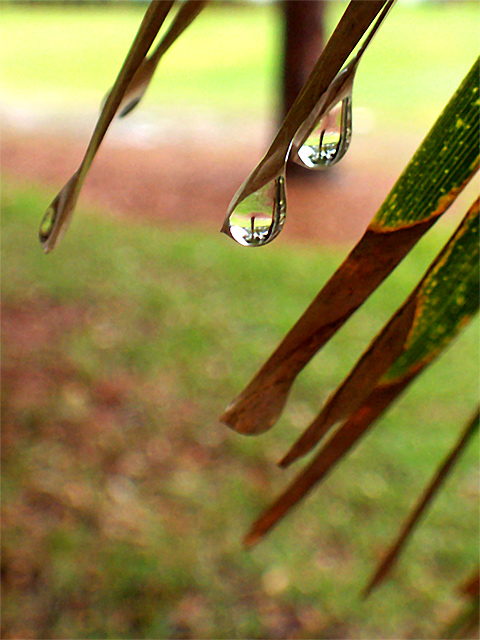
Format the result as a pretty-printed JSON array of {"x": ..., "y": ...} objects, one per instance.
[{"x": 124, "y": 499}]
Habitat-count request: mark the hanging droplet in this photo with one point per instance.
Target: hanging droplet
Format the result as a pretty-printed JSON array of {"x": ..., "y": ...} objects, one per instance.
[
  {"x": 129, "y": 107},
  {"x": 129, "y": 101},
  {"x": 329, "y": 141},
  {"x": 260, "y": 217},
  {"x": 46, "y": 225},
  {"x": 58, "y": 215}
]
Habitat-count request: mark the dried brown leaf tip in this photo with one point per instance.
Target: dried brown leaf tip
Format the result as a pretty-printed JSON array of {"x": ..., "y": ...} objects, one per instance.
[
  {"x": 58, "y": 215},
  {"x": 408, "y": 343},
  {"x": 334, "y": 450},
  {"x": 426, "y": 499}
]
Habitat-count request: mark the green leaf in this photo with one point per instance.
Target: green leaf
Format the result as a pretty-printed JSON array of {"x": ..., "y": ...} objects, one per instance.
[{"x": 445, "y": 162}]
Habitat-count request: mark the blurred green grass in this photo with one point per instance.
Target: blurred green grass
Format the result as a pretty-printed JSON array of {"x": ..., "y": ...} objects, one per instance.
[
  {"x": 228, "y": 60},
  {"x": 124, "y": 500}
]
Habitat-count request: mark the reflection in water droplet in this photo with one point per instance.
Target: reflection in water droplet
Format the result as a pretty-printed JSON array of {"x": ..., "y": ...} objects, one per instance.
[
  {"x": 46, "y": 224},
  {"x": 329, "y": 141},
  {"x": 260, "y": 217}
]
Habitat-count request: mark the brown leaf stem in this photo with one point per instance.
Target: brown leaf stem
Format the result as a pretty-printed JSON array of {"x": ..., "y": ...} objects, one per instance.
[
  {"x": 342, "y": 441},
  {"x": 59, "y": 213},
  {"x": 354, "y": 23},
  {"x": 394, "y": 551}
]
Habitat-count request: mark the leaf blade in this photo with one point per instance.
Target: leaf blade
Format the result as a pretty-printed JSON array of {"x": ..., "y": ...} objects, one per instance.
[
  {"x": 392, "y": 554},
  {"x": 379, "y": 251},
  {"x": 358, "y": 422},
  {"x": 419, "y": 330},
  {"x": 58, "y": 215}
]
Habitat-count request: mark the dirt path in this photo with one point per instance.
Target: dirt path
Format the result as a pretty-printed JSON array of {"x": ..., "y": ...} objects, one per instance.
[{"x": 191, "y": 180}]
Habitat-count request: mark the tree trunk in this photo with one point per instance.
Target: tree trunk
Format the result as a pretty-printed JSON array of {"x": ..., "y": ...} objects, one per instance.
[
  {"x": 303, "y": 40},
  {"x": 303, "y": 43}
]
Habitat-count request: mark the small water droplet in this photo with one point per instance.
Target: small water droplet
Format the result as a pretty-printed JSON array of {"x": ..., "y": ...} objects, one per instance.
[
  {"x": 260, "y": 217},
  {"x": 329, "y": 141},
  {"x": 129, "y": 107},
  {"x": 130, "y": 100},
  {"x": 46, "y": 225}
]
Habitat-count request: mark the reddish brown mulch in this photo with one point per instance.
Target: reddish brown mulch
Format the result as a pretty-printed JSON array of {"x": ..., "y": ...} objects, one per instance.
[{"x": 192, "y": 182}]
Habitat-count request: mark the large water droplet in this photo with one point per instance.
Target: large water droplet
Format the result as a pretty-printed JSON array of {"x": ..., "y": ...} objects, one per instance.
[
  {"x": 329, "y": 141},
  {"x": 260, "y": 217}
]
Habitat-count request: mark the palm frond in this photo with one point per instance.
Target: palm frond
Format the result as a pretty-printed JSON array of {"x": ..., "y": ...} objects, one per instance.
[
  {"x": 457, "y": 265},
  {"x": 444, "y": 163},
  {"x": 398, "y": 545}
]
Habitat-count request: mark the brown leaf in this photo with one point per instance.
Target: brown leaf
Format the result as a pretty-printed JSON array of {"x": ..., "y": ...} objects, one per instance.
[
  {"x": 332, "y": 452},
  {"x": 260, "y": 404},
  {"x": 412, "y": 332},
  {"x": 440, "y": 169},
  {"x": 59, "y": 213},
  {"x": 396, "y": 548}
]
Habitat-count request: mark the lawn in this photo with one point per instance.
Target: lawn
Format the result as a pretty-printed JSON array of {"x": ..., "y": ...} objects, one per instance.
[
  {"x": 124, "y": 499},
  {"x": 229, "y": 59}
]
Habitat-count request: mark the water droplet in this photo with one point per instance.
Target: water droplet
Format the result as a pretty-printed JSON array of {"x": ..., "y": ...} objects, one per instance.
[
  {"x": 58, "y": 215},
  {"x": 329, "y": 141},
  {"x": 46, "y": 225},
  {"x": 259, "y": 218},
  {"x": 129, "y": 107}
]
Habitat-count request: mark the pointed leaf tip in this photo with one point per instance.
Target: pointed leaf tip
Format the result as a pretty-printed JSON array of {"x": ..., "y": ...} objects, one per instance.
[
  {"x": 426, "y": 499},
  {"x": 57, "y": 217}
]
